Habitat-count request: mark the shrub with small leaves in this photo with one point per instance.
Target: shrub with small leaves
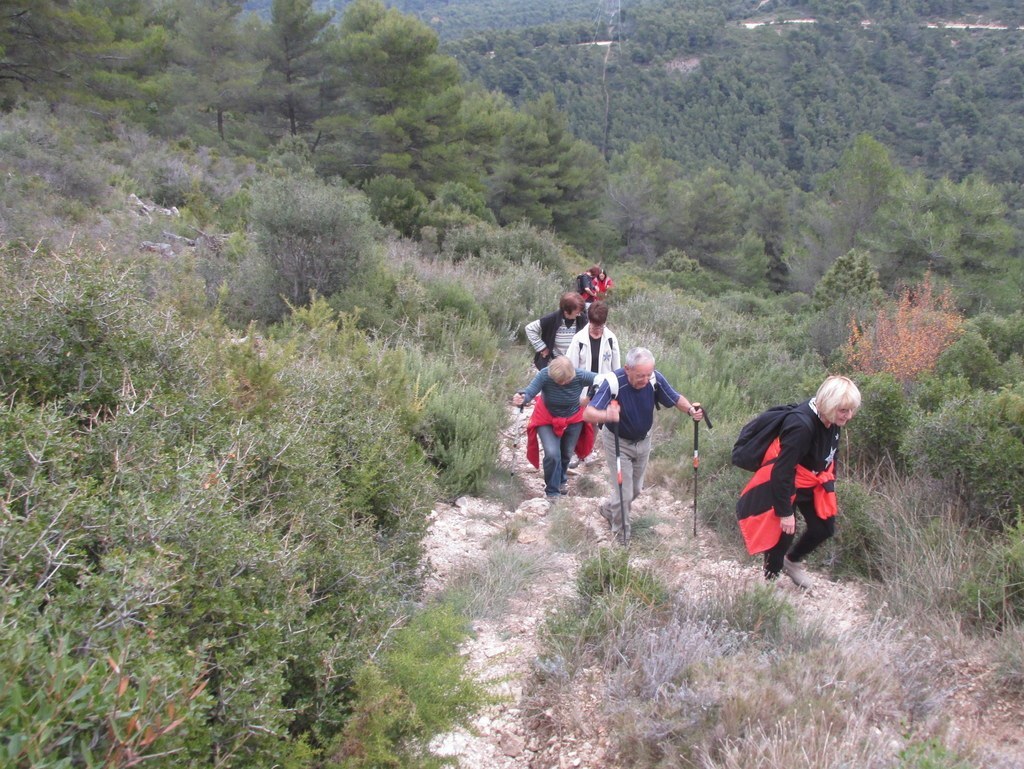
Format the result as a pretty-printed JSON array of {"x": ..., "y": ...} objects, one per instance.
[
  {"x": 852, "y": 551},
  {"x": 969, "y": 357},
  {"x": 396, "y": 202},
  {"x": 877, "y": 432},
  {"x": 975, "y": 448},
  {"x": 460, "y": 434},
  {"x": 418, "y": 688}
]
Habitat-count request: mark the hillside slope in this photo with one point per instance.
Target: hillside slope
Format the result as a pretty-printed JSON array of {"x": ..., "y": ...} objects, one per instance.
[{"x": 531, "y": 727}]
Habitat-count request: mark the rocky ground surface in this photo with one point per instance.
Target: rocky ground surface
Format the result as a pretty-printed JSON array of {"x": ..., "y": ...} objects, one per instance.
[{"x": 503, "y": 649}]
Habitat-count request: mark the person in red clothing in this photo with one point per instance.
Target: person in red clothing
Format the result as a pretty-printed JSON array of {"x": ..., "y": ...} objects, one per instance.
[
  {"x": 602, "y": 284},
  {"x": 557, "y": 421},
  {"x": 798, "y": 473},
  {"x": 585, "y": 283}
]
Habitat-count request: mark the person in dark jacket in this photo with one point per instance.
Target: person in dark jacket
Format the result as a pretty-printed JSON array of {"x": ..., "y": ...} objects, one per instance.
[
  {"x": 798, "y": 473},
  {"x": 550, "y": 335}
]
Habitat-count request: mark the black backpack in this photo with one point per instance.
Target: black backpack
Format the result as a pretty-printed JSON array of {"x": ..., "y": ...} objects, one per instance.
[
  {"x": 757, "y": 435},
  {"x": 584, "y": 281}
]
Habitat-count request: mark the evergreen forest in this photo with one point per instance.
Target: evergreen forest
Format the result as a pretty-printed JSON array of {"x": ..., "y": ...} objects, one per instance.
[{"x": 265, "y": 269}]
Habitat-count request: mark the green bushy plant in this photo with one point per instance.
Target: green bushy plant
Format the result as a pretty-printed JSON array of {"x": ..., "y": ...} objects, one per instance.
[
  {"x": 974, "y": 447},
  {"x": 118, "y": 702},
  {"x": 374, "y": 300},
  {"x": 396, "y": 202},
  {"x": 610, "y": 572},
  {"x": 1004, "y": 335},
  {"x": 73, "y": 331},
  {"x": 448, "y": 296},
  {"x": 499, "y": 247},
  {"x": 970, "y": 358},
  {"x": 239, "y": 512},
  {"x": 931, "y": 392},
  {"x": 417, "y": 689},
  {"x": 877, "y": 432},
  {"x": 460, "y": 434},
  {"x": 930, "y": 754},
  {"x": 854, "y": 548},
  {"x": 458, "y": 195},
  {"x": 316, "y": 237}
]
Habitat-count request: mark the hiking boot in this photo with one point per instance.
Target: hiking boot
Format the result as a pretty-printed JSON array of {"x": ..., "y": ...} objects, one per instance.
[
  {"x": 563, "y": 489},
  {"x": 797, "y": 572},
  {"x": 574, "y": 463}
]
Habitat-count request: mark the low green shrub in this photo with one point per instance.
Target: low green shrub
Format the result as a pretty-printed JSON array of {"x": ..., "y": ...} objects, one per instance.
[
  {"x": 975, "y": 448},
  {"x": 611, "y": 573},
  {"x": 448, "y": 297},
  {"x": 396, "y": 202},
  {"x": 971, "y": 358},
  {"x": 418, "y": 688},
  {"x": 460, "y": 435},
  {"x": 852, "y": 552},
  {"x": 118, "y": 701},
  {"x": 499, "y": 247},
  {"x": 1003, "y": 335},
  {"x": 931, "y": 392},
  {"x": 876, "y": 435},
  {"x": 316, "y": 237},
  {"x": 930, "y": 754},
  {"x": 74, "y": 331}
]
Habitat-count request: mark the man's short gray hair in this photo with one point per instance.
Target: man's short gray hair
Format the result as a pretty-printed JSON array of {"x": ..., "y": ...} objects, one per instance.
[{"x": 639, "y": 355}]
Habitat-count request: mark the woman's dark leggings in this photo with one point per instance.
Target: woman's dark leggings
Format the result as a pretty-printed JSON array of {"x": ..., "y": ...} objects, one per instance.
[{"x": 817, "y": 531}]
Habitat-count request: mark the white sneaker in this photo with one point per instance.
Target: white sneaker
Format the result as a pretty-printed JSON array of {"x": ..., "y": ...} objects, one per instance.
[{"x": 797, "y": 572}]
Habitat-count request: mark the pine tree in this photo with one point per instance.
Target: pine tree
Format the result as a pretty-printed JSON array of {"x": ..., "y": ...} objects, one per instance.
[
  {"x": 217, "y": 70},
  {"x": 293, "y": 81},
  {"x": 399, "y": 111}
]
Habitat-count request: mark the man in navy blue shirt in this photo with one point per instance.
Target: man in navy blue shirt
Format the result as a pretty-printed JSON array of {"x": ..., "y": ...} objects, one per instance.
[{"x": 629, "y": 401}]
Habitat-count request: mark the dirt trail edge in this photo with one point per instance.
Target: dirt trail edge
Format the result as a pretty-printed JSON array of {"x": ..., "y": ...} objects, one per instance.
[{"x": 503, "y": 649}]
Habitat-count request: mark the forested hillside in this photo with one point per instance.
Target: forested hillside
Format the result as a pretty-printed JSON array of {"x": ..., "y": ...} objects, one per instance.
[
  {"x": 456, "y": 18},
  {"x": 783, "y": 100},
  {"x": 264, "y": 284}
]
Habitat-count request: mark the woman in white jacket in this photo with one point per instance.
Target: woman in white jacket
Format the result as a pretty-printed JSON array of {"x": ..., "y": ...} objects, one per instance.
[{"x": 595, "y": 346}]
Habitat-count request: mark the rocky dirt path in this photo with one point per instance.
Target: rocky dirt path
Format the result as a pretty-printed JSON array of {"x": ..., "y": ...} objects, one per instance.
[{"x": 503, "y": 650}]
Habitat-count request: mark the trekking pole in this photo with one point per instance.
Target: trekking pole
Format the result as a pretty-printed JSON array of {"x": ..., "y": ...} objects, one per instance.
[
  {"x": 696, "y": 461},
  {"x": 618, "y": 477}
]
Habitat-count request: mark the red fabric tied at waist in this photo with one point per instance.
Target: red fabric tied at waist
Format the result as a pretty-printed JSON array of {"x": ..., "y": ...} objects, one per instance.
[
  {"x": 541, "y": 416},
  {"x": 758, "y": 520}
]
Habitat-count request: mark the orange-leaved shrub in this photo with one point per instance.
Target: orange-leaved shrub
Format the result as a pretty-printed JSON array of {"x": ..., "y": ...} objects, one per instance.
[{"x": 908, "y": 338}]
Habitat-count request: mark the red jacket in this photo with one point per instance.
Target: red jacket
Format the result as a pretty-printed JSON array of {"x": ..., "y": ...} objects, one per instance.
[{"x": 541, "y": 416}]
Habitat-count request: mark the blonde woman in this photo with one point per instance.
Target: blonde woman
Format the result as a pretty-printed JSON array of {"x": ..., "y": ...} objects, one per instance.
[
  {"x": 798, "y": 474},
  {"x": 557, "y": 421}
]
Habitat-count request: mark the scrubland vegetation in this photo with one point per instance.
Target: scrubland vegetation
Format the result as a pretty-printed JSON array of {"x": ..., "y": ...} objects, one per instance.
[{"x": 218, "y": 462}]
